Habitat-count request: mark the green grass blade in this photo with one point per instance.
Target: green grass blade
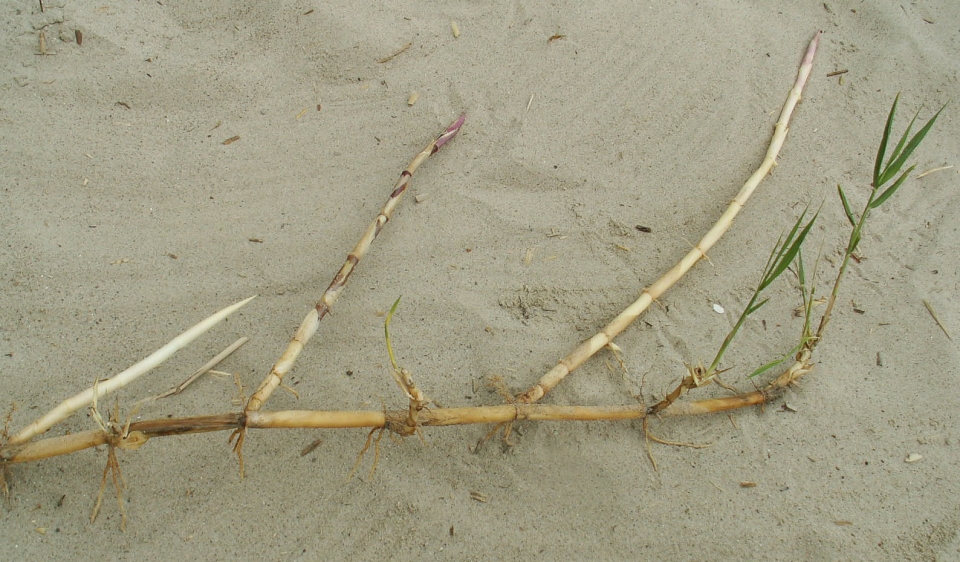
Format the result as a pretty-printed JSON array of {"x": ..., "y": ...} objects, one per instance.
[
  {"x": 396, "y": 303},
  {"x": 892, "y": 169},
  {"x": 883, "y": 142},
  {"x": 903, "y": 139},
  {"x": 756, "y": 307},
  {"x": 854, "y": 241},
  {"x": 780, "y": 258},
  {"x": 890, "y": 190},
  {"x": 777, "y": 252},
  {"x": 788, "y": 251},
  {"x": 846, "y": 206},
  {"x": 386, "y": 333},
  {"x": 808, "y": 301},
  {"x": 764, "y": 368}
]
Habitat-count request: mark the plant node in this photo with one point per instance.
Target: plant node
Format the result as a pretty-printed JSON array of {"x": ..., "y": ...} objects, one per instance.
[{"x": 116, "y": 438}]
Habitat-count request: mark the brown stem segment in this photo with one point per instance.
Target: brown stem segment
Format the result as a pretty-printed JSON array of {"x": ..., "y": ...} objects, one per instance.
[
  {"x": 89, "y": 396},
  {"x": 135, "y": 436},
  {"x": 312, "y": 321},
  {"x": 591, "y": 346}
]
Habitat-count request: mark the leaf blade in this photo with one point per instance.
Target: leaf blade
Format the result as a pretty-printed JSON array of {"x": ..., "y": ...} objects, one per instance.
[
  {"x": 892, "y": 169},
  {"x": 757, "y": 306},
  {"x": 774, "y": 363},
  {"x": 892, "y": 189},
  {"x": 881, "y": 152},
  {"x": 903, "y": 138},
  {"x": 846, "y": 206},
  {"x": 786, "y": 257}
]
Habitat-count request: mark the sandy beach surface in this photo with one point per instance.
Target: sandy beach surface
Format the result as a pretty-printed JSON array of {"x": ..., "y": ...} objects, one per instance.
[{"x": 602, "y": 141}]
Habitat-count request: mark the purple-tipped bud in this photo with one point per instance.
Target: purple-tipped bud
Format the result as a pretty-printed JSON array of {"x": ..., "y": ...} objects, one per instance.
[{"x": 451, "y": 131}]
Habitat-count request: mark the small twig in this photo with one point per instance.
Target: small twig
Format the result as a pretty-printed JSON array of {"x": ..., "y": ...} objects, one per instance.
[
  {"x": 677, "y": 443},
  {"x": 928, "y": 172},
  {"x": 310, "y": 447},
  {"x": 363, "y": 451},
  {"x": 933, "y": 313},
  {"x": 395, "y": 55},
  {"x": 646, "y": 444},
  {"x": 203, "y": 370},
  {"x": 729, "y": 387}
]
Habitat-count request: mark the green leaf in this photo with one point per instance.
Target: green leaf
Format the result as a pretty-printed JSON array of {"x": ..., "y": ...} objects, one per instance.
[
  {"x": 890, "y": 190},
  {"x": 772, "y": 364},
  {"x": 808, "y": 294},
  {"x": 386, "y": 333},
  {"x": 793, "y": 231},
  {"x": 777, "y": 252},
  {"x": 756, "y": 307},
  {"x": 883, "y": 142},
  {"x": 903, "y": 139},
  {"x": 786, "y": 256},
  {"x": 854, "y": 241},
  {"x": 846, "y": 206},
  {"x": 780, "y": 258},
  {"x": 894, "y": 167},
  {"x": 393, "y": 309}
]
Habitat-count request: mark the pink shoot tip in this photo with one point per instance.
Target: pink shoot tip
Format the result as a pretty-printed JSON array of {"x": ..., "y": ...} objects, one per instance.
[{"x": 452, "y": 130}]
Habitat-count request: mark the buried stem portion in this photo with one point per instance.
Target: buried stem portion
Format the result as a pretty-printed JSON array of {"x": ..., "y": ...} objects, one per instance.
[
  {"x": 591, "y": 346},
  {"x": 312, "y": 321}
]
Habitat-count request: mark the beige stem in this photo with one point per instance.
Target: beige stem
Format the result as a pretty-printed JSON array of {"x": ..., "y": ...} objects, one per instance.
[
  {"x": 312, "y": 321},
  {"x": 139, "y": 432},
  {"x": 591, "y": 346}
]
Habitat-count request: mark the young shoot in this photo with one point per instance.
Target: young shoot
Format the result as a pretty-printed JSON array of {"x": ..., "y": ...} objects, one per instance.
[
  {"x": 386, "y": 334},
  {"x": 783, "y": 254},
  {"x": 883, "y": 173}
]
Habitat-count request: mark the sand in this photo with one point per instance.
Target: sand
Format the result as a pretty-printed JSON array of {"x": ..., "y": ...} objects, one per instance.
[{"x": 127, "y": 218}]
